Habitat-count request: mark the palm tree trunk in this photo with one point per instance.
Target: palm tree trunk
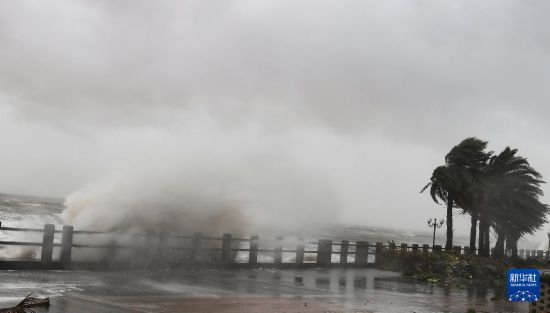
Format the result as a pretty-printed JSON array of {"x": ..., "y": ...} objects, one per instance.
[
  {"x": 486, "y": 242},
  {"x": 481, "y": 239},
  {"x": 499, "y": 246},
  {"x": 483, "y": 243},
  {"x": 514, "y": 245},
  {"x": 473, "y": 231},
  {"x": 506, "y": 245},
  {"x": 449, "y": 242}
]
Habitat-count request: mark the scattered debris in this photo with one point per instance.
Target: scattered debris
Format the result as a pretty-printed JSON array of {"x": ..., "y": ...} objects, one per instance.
[{"x": 27, "y": 305}]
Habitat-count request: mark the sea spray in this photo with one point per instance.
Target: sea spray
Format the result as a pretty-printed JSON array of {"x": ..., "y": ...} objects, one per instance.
[{"x": 239, "y": 192}]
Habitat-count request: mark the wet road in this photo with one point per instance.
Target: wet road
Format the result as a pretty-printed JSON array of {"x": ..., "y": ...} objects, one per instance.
[{"x": 262, "y": 290}]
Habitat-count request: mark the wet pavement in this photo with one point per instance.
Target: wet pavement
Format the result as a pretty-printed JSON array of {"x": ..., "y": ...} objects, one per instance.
[{"x": 260, "y": 290}]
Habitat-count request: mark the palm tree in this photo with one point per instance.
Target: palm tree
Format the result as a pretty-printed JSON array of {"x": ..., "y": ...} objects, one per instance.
[
  {"x": 443, "y": 186},
  {"x": 500, "y": 191},
  {"x": 525, "y": 215},
  {"x": 455, "y": 183},
  {"x": 469, "y": 159},
  {"x": 514, "y": 205}
]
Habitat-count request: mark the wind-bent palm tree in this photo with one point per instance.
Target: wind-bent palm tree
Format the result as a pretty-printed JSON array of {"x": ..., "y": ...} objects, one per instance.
[
  {"x": 470, "y": 159},
  {"x": 456, "y": 183},
  {"x": 514, "y": 205},
  {"x": 500, "y": 191},
  {"x": 511, "y": 226},
  {"x": 444, "y": 186}
]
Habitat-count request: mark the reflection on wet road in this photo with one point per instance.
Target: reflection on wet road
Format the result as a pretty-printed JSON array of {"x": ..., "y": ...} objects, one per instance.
[{"x": 337, "y": 290}]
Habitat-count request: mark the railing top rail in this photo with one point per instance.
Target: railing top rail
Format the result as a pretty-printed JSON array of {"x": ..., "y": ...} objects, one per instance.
[
  {"x": 92, "y": 232},
  {"x": 19, "y": 243},
  {"x": 26, "y": 229}
]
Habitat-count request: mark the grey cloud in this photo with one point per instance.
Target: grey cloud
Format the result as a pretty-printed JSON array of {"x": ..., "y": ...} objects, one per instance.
[
  {"x": 353, "y": 65},
  {"x": 363, "y": 90}
]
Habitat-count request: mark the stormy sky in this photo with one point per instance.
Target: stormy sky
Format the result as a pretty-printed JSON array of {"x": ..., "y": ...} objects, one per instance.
[{"x": 363, "y": 97}]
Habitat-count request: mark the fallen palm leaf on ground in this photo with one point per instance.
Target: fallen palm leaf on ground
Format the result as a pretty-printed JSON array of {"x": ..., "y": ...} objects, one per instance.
[{"x": 27, "y": 305}]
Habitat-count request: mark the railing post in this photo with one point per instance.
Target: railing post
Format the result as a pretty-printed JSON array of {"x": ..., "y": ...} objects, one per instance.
[
  {"x": 404, "y": 247},
  {"x": 278, "y": 254},
  {"x": 66, "y": 244},
  {"x": 437, "y": 248},
  {"x": 253, "y": 250},
  {"x": 414, "y": 247},
  {"x": 344, "y": 245},
  {"x": 425, "y": 248},
  {"x": 47, "y": 243},
  {"x": 378, "y": 253},
  {"x": 361, "y": 252},
  {"x": 466, "y": 250},
  {"x": 521, "y": 253},
  {"x": 324, "y": 252},
  {"x": 540, "y": 254},
  {"x": 457, "y": 249},
  {"x": 300, "y": 251},
  {"x": 226, "y": 249}
]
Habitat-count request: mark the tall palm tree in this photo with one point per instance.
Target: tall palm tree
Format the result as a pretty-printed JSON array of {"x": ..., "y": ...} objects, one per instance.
[
  {"x": 525, "y": 215},
  {"x": 444, "y": 186},
  {"x": 500, "y": 191},
  {"x": 470, "y": 158},
  {"x": 514, "y": 205},
  {"x": 456, "y": 183}
]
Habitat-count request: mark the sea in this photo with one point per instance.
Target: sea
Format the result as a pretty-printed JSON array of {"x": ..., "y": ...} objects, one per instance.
[{"x": 33, "y": 212}]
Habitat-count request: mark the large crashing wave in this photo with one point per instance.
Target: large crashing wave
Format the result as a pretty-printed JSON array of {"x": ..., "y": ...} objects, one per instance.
[{"x": 237, "y": 194}]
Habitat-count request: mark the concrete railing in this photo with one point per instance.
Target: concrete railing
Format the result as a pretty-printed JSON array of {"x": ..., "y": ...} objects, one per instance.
[{"x": 199, "y": 249}]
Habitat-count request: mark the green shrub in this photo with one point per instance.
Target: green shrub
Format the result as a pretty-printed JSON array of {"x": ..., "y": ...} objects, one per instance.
[{"x": 436, "y": 267}]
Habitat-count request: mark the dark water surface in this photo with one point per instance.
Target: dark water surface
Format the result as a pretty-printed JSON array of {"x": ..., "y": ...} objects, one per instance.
[{"x": 262, "y": 290}]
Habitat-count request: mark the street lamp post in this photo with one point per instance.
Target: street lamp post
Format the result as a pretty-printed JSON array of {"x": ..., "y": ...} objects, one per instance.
[
  {"x": 548, "y": 251},
  {"x": 435, "y": 224}
]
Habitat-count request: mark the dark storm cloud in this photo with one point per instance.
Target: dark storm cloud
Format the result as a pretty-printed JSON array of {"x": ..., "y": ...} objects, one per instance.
[{"x": 366, "y": 90}]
